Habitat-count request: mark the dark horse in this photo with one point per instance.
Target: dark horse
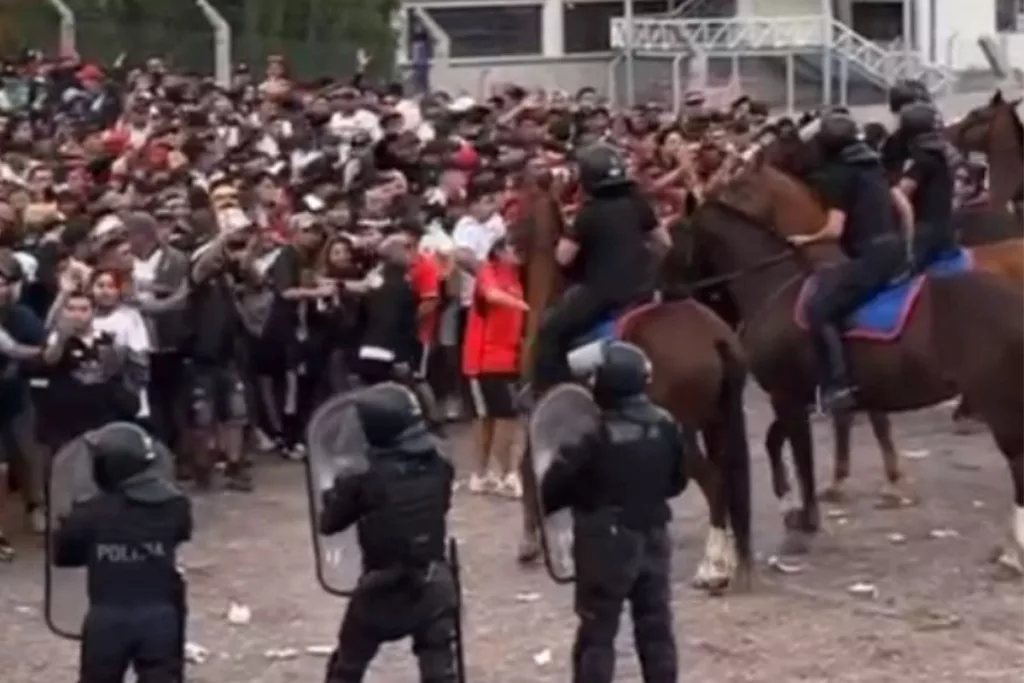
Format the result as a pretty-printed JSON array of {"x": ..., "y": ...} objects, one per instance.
[
  {"x": 699, "y": 372},
  {"x": 965, "y": 334}
]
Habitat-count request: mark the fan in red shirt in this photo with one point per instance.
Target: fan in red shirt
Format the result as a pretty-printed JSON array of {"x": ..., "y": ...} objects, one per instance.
[
  {"x": 491, "y": 354},
  {"x": 426, "y": 277}
]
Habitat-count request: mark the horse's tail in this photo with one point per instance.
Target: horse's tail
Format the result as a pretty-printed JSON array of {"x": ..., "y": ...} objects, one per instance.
[{"x": 736, "y": 470}]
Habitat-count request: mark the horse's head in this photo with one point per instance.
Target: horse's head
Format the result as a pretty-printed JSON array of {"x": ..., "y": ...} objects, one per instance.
[{"x": 988, "y": 126}]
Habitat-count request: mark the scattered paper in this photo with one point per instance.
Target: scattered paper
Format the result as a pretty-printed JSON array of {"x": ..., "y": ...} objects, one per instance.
[
  {"x": 196, "y": 654},
  {"x": 943, "y": 533},
  {"x": 527, "y": 597},
  {"x": 977, "y": 504},
  {"x": 25, "y": 609},
  {"x": 320, "y": 650},
  {"x": 238, "y": 614},
  {"x": 784, "y": 567},
  {"x": 916, "y": 453},
  {"x": 896, "y": 538},
  {"x": 863, "y": 590},
  {"x": 837, "y": 513},
  {"x": 542, "y": 658},
  {"x": 279, "y": 654}
]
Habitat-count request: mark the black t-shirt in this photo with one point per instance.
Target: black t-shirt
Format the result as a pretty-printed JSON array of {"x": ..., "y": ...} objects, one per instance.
[
  {"x": 860, "y": 191},
  {"x": 933, "y": 197},
  {"x": 612, "y": 233},
  {"x": 214, "y": 322}
]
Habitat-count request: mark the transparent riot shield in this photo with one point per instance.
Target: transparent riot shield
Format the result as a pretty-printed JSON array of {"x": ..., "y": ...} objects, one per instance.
[{"x": 561, "y": 418}]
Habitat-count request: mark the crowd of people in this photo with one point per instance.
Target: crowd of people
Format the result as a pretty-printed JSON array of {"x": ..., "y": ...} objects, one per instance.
[{"x": 213, "y": 262}]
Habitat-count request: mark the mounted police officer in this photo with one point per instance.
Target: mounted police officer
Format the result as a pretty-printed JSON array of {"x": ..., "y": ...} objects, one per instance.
[
  {"x": 895, "y": 148},
  {"x": 860, "y": 217},
  {"x": 127, "y": 538},
  {"x": 607, "y": 255},
  {"x": 617, "y": 482},
  {"x": 927, "y": 181},
  {"x": 399, "y": 506}
]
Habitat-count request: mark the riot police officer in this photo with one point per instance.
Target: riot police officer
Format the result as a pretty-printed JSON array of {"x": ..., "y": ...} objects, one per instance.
[
  {"x": 127, "y": 537},
  {"x": 607, "y": 254},
  {"x": 399, "y": 506},
  {"x": 860, "y": 217},
  {"x": 617, "y": 482},
  {"x": 895, "y": 147},
  {"x": 927, "y": 183}
]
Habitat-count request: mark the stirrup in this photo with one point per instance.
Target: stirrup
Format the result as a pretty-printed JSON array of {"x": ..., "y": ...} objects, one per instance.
[{"x": 838, "y": 400}]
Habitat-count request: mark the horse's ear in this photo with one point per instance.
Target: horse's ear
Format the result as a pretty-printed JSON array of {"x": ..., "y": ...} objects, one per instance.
[{"x": 997, "y": 98}]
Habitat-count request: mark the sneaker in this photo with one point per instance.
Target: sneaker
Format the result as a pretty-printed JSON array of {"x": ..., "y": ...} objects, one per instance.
[
  {"x": 839, "y": 400},
  {"x": 237, "y": 478},
  {"x": 511, "y": 486},
  {"x": 477, "y": 483},
  {"x": 6, "y": 549},
  {"x": 296, "y": 452}
]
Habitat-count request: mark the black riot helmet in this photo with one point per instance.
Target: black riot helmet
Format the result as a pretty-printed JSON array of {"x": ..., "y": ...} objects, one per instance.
[
  {"x": 391, "y": 417},
  {"x": 126, "y": 460},
  {"x": 837, "y": 131},
  {"x": 918, "y": 118},
  {"x": 601, "y": 167},
  {"x": 907, "y": 91},
  {"x": 624, "y": 372}
]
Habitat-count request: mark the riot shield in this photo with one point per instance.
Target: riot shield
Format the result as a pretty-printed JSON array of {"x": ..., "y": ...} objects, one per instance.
[
  {"x": 71, "y": 481},
  {"x": 335, "y": 444},
  {"x": 460, "y": 653},
  {"x": 561, "y": 418}
]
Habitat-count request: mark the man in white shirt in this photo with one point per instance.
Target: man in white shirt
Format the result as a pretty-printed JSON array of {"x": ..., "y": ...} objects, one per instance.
[
  {"x": 475, "y": 233},
  {"x": 351, "y": 119}
]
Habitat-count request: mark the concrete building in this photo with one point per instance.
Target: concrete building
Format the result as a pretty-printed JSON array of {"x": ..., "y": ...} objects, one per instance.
[{"x": 796, "y": 52}]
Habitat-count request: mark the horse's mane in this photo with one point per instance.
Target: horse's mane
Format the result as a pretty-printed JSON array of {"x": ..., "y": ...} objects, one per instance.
[{"x": 1017, "y": 125}]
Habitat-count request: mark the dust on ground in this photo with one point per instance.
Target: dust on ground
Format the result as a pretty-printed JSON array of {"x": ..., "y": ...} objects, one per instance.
[{"x": 941, "y": 612}]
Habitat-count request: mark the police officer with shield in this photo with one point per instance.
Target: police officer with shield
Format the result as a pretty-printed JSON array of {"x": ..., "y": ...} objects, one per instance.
[
  {"x": 617, "y": 481},
  {"x": 127, "y": 539},
  {"x": 399, "y": 505},
  {"x": 860, "y": 218}
]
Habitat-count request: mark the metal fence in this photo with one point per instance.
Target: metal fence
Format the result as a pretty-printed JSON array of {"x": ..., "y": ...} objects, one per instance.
[{"x": 181, "y": 33}]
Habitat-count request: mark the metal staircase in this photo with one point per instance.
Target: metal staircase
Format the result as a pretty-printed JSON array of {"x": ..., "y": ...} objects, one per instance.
[{"x": 778, "y": 37}]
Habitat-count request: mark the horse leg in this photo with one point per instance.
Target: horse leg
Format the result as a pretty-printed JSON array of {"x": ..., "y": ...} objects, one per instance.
[
  {"x": 842, "y": 425},
  {"x": 800, "y": 522},
  {"x": 892, "y": 494},
  {"x": 715, "y": 568},
  {"x": 1012, "y": 446},
  {"x": 964, "y": 421},
  {"x": 529, "y": 543},
  {"x": 774, "y": 442}
]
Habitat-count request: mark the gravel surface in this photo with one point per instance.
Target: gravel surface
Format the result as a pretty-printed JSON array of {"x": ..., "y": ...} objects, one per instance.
[{"x": 940, "y": 610}]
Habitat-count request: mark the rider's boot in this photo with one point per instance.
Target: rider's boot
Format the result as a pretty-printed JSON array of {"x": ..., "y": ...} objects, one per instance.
[{"x": 837, "y": 395}]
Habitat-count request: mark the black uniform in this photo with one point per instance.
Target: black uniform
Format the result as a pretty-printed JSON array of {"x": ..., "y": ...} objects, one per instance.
[
  {"x": 855, "y": 184},
  {"x": 896, "y": 148},
  {"x": 612, "y": 269},
  {"x": 127, "y": 537},
  {"x": 399, "y": 506},
  {"x": 930, "y": 165},
  {"x": 618, "y": 482}
]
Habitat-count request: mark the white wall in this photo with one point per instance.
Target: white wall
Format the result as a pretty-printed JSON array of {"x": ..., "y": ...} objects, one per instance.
[{"x": 958, "y": 26}]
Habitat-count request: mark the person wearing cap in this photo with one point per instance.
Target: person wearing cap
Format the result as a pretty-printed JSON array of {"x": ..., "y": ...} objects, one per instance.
[
  {"x": 350, "y": 118},
  {"x": 127, "y": 538}
]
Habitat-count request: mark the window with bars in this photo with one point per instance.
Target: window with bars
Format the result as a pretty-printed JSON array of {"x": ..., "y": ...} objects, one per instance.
[{"x": 490, "y": 31}]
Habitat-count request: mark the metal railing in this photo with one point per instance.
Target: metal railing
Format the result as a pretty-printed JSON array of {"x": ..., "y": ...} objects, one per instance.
[{"x": 767, "y": 36}]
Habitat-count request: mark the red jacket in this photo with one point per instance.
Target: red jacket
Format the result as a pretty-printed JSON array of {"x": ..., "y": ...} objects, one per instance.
[{"x": 494, "y": 333}]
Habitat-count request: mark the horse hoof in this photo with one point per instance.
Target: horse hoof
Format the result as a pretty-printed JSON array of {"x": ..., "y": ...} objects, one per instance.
[
  {"x": 795, "y": 543},
  {"x": 529, "y": 552},
  {"x": 793, "y": 520},
  {"x": 743, "y": 581},
  {"x": 833, "y": 494}
]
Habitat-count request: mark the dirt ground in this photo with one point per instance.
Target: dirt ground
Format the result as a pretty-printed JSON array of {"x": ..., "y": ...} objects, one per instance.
[{"x": 941, "y": 612}]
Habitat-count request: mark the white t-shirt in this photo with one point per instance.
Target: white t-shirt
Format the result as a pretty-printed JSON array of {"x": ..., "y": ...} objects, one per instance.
[
  {"x": 346, "y": 127},
  {"x": 478, "y": 238},
  {"x": 129, "y": 330}
]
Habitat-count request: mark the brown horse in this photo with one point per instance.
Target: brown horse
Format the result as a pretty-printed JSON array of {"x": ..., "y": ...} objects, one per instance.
[
  {"x": 698, "y": 376},
  {"x": 995, "y": 130},
  {"x": 964, "y": 335}
]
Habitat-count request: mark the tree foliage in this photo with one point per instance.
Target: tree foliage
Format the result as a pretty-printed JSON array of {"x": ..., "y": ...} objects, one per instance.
[{"x": 318, "y": 37}]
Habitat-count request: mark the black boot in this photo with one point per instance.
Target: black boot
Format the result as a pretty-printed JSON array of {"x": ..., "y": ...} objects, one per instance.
[{"x": 837, "y": 391}]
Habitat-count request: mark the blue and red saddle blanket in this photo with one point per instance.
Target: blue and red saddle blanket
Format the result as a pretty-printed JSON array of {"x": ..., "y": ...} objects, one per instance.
[
  {"x": 883, "y": 317},
  {"x": 615, "y": 326}
]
